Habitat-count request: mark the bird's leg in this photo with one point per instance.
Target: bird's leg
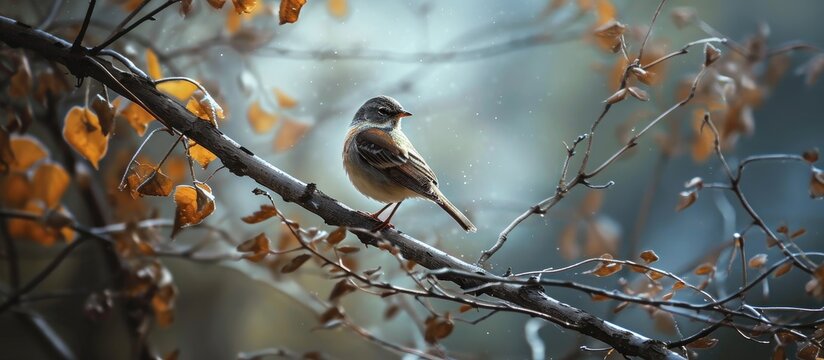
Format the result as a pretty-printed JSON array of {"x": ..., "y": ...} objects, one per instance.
[
  {"x": 377, "y": 214},
  {"x": 385, "y": 224}
]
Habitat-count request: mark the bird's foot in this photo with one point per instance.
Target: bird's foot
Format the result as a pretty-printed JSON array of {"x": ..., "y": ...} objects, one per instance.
[
  {"x": 382, "y": 226},
  {"x": 372, "y": 215}
]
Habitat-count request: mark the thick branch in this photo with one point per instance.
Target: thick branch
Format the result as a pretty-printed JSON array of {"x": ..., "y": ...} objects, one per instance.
[{"x": 243, "y": 162}]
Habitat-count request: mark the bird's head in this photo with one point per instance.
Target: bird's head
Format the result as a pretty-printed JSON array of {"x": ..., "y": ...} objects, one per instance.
[{"x": 382, "y": 111}]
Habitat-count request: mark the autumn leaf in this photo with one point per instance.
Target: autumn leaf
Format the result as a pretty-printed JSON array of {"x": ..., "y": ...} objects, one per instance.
[
  {"x": 193, "y": 205},
  {"x": 153, "y": 65},
  {"x": 105, "y": 112},
  {"x": 137, "y": 117},
  {"x": 705, "y": 269},
  {"x": 649, "y": 256},
  {"x": 185, "y": 7},
  {"x": 200, "y": 154},
  {"x": 265, "y": 212},
  {"x": 157, "y": 184},
  {"x": 685, "y": 199},
  {"x": 295, "y": 263},
  {"x": 337, "y": 8},
  {"x": 284, "y": 100},
  {"x": 82, "y": 130},
  {"x": 49, "y": 183},
  {"x": 217, "y": 4},
  {"x": 205, "y": 107},
  {"x": 341, "y": 288},
  {"x": 256, "y": 248},
  {"x": 703, "y": 343},
  {"x": 289, "y": 134},
  {"x": 180, "y": 89},
  {"x": 14, "y": 190},
  {"x": 138, "y": 173},
  {"x": 27, "y": 151},
  {"x": 290, "y": 10},
  {"x": 336, "y": 236},
  {"x": 20, "y": 83},
  {"x": 261, "y": 120},
  {"x": 817, "y": 183},
  {"x": 605, "y": 11},
  {"x": 437, "y": 328},
  {"x": 244, "y": 6},
  {"x": 53, "y": 225}
]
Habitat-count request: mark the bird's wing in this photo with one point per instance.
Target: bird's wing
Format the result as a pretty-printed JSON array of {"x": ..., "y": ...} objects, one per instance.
[{"x": 403, "y": 166}]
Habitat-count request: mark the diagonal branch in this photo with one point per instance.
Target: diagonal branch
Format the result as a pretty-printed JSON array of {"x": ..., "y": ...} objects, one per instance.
[{"x": 242, "y": 162}]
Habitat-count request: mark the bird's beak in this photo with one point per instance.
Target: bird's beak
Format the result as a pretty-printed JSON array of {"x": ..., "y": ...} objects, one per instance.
[{"x": 404, "y": 114}]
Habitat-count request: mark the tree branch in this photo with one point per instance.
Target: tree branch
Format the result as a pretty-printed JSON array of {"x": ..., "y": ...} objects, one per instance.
[{"x": 242, "y": 162}]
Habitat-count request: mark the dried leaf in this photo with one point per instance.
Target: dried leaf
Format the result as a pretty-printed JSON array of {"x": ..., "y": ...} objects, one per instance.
[
  {"x": 665, "y": 322},
  {"x": 348, "y": 249},
  {"x": 705, "y": 269},
  {"x": 341, "y": 288},
  {"x": 685, "y": 199},
  {"x": 438, "y": 328},
  {"x": 703, "y": 343},
  {"x": 289, "y": 134},
  {"x": 290, "y": 10},
  {"x": 157, "y": 184},
  {"x": 618, "y": 96},
  {"x": 638, "y": 93},
  {"x": 265, "y": 212},
  {"x": 813, "y": 69},
  {"x": 695, "y": 182},
  {"x": 336, "y": 236},
  {"x": 244, "y": 6},
  {"x": 14, "y": 190},
  {"x": 180, "y": 89},
  {"x": 284, "y": 100},
  {"x": 105, "y": 112},
  {"x": 261, "y": 120},
  {"x": 757, "y": 261},
  {"x": 153, "y": 65},
  {"x": 678, "y": 285},
  {"x": 200, "y": 154},
  {"x": 649, "y": 256},
  {"x": 217, "y": 4},
  {"x": 137, "y": 117},
  {"x": 711, "y": 54},
  {"x": 817, "y": 183},
  {"x": 566, "y": 242},
  {"x": 465, "y": 307},
  {"x": 192, "y": 205},
  {"x": 811, "y": 155},
  {"x": 82, "y": 130},
  {"x": 205, "y": 107},
  {"x": 783, "y": 269},
  {"x": 20, "y": 83},
  {"x": 295, "y": 263},
  {"x": 43, "y": 233},
  {"x": 27, "y": 151},
  {"x": 808, "y": 352},
  {"x": 185, "y": 9},
  {"x": 337, "y": 8},
  {"x": 49, "y": 183},
  {"x": 255, "y": 248}
]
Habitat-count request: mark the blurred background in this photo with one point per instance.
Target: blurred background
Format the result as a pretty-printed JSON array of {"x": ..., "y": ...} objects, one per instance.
[{"x": 491, "y": 123}]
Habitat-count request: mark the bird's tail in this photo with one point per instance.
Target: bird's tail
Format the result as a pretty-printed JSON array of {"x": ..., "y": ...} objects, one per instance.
[{"x": 455, "y": 213}]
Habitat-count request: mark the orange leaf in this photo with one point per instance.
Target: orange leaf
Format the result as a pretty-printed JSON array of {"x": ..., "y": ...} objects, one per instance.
[
  {"x": 265, "y": 212},
  {"x": 649, "y": 256},
  {"x": 783, "y": 269},
  {"x": 605, "y": 10},
  {"x": 193, "y": 205},
  {"x": 295, "y": 263},
  {"x": 261, "y": 120},
  {"x": 49, "y": 183},
  {"x": 705, "y": 269},
  {"x": 27, "y": 151},
  {"x": 817, "y": 183},
  {"x": 284, "y": 100},
  {"x": 14, "y": 190},
  {"x": 337, "y": 236},
  {"x": 180, "y": 89},
  {"x": 289, "y": 134},
  {"x": 685, "y": 199},
  {"x": 200, "y": 154},
  {"x": 153, "y": 65},
  {"x": 20, "y": 83},
  {"x": 757, "y": 261},
  {"x": 341, "y": 288},
  {"x": 206, "y": 108},
  {"x": 82, "y": 130},
  {"x": 337, "y": 8},
  {"x": 437, "y": 328},
  {"x": 46, "y": 232},
  {"x": 290, "y": 10},
  {"x": 244, "y": 6},
  {"x": 217, "y": 4},
  {"x": 157, "y": 184},
  {"x": 256, "y": 247},
  {"x": 137, "y": 117}
]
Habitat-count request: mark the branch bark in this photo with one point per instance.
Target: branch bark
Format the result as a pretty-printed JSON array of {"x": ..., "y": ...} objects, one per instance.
[{"x": 242, "y": 162}]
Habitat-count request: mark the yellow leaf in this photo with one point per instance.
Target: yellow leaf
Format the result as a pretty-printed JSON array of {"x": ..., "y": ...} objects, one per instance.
[
  {"x": 193, "y": 205},
  {"x": 53, "y": 227},
  {"x": 180, "y": 89},
  {"x": 244, "y": 6},
  {"x": 200, "y": 154},
  {"x": 27, "y": 151},
  {"x": 49, "y": 183},
  {"x": 284, "y": 100},
  {"x": 138, "y": 173},
  {"x": 206, "y": 108},
  {"x": 14, "y": 190},
  {"x": 82, "y": 130},
  {"x": 157, "y": 184},
  {"x": 605, "y": 10},
  {"x": 290, "y": 10},
  {"x": 261, "y": 120},
  {"x": 289, "y": 134},
  {"x": 153, "y": 65},
  {"x": 337, "y": 8},
  {"x": 137, "y": 117}
]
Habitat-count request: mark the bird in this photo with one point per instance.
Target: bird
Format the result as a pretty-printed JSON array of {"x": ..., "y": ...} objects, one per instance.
[{"x": 383, "y": 165}]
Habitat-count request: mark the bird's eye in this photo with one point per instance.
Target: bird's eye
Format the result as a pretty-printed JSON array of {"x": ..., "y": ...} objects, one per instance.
[{"x": 383, "y": 111}]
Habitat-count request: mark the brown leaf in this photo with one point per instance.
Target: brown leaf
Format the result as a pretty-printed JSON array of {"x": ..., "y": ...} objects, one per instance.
[
  {"x": 341, "y": 288},
  {"x": 192, "y": 205},
  {"x": 153, "y": 65},
  {"x": 336, "y": 236},
  {"x": 265, "y": 212},
  {"x": 157, "y": 184},
  {"x": 14, "y": 190},
  {"x": 290, "y": 10},
  {"x": 284, "y": 100},
  {"x": 289, "y": 134},
  {"x": 813, "y": 69},
  {"x": 348, "y": 249},
  {"x": 685, "y": 199},
  {"x": 757, "y": 261},
  {"x": 783, "y": 269},
  {"x": 678, "y": 285},
  {"x": 27, "y": 151},
  {"x": 217, "y": 4},
  {"x": 41, "y": 232},
  {"x": 649, "y": 256},
  {"x": 105, "y": 113},
  {"x": 705, "y": 269},
  {"x": 137, "y": 117},
  {"x": 295, "y": 263},
  {"x": 665, "y": 322},
  {"x": 261, "y": 120},
  {"x": 20, "y": 83},
  {"x": 711, "y": 54},
  {"x": 703, "y": 343},
  {"x": 82, "y": 130},
  {"x": 465, "y": 307},
  {"x": 811, "y": 155},
  {"x": 185, "y": 10},
  {"x": 390, "y": 312},
  {"x": 244, "y": 6},
  {"x": 255, "y": 248},
  {"x": 566, "y": 242},
  {"x": 438, "y": 328},
  {"x": 618, "y": 96},
  {"x": 817, "y": 183},
  {"x": 695, "y": 182},
  {"x": 808, "y": 352},
  {"x": 49, "y": 183},
  {"x": 638, "y": 93}
]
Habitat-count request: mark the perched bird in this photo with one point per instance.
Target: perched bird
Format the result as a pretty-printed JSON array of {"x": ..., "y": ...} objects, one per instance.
[{"x": 383, "y": 165}]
